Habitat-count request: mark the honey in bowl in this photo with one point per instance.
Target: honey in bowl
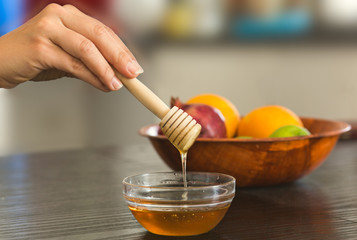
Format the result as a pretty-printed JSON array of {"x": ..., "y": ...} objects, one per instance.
[
  {"x": 180, "y": 222},
  {"x": 163, "y": 206}
]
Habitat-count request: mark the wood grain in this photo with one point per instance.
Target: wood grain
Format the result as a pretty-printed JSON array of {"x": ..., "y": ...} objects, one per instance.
[
  {"x": 78, "y": 195},
  {"x": 257, "y": 161}
]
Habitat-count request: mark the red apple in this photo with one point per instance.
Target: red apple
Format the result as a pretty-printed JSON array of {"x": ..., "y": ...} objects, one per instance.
[{"x": 210, "y": 118}]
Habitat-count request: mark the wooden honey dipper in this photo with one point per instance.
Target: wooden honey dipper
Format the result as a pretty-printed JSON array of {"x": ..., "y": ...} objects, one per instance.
[{"x": 179, "y": 127}]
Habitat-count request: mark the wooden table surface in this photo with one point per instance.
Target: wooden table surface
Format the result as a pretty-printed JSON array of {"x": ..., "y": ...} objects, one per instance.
[{"x": 78, "y": 195}]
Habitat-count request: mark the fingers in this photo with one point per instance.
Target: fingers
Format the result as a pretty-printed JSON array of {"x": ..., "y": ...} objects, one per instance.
[
  {"x": 84, "y": 50},
  {"x": 50, "y": 74},
  {"x": 110, "y": 45},
  {"x": 73, "y": 66},
  {"x": 115, "y": 37},
  {"x": 7, "y": 84}
]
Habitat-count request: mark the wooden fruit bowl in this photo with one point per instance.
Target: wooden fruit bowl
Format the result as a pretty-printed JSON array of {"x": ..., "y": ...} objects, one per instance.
[{"x": 255, "y": 162}]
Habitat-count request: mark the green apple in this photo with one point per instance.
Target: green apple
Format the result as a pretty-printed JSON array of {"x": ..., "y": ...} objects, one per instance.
[{"x": 290, "y": 131}]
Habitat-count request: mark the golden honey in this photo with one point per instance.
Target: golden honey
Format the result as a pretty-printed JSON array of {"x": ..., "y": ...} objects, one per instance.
[
  {"x": 179, "y": 222},
  {"x": 183, "y": 164}
]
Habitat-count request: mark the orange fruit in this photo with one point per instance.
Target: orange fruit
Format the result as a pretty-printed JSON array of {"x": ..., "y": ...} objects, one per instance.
[
  {"x": 228, "y": 110},
  {"x": 263, "y": 121}
]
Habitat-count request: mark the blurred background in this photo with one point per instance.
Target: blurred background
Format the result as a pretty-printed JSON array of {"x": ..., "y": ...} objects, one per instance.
[{"x": 297, "y": 53}]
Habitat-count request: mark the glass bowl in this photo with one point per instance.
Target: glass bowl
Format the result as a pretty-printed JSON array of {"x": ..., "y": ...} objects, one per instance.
[{"x": 162, "y": 205}]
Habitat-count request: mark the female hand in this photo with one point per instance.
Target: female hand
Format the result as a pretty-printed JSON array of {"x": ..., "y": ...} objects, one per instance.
[{"x": 62, "y": 41}]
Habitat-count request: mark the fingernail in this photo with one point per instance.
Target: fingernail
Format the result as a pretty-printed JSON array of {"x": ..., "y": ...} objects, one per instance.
[
  {"x": 134, "y": 68},
  {"x": 116, "y": 83}
]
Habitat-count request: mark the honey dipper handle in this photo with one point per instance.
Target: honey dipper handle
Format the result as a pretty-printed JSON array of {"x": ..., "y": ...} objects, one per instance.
[{"x": 145, "y": 96}]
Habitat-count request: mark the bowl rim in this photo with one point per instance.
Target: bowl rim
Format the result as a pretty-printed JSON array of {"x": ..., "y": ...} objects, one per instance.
[
  {"x": 231, "y": 181},
  {"x": 345, "y": 127}
]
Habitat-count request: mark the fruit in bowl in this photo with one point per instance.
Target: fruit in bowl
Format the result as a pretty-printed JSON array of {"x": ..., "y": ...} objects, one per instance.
[
  {"x": 218, "y": 117},
  {"x": 290, "y": 131},
  {"x": 227, "y": 109},
  {"x": 263, "y": 121},
  {"x": 269, "y": 158},
  {"x": 211, "y": 121}
]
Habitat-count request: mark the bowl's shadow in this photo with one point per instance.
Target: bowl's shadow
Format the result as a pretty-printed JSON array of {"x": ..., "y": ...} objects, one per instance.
[
  {"x": 210, "y": 235},
  {"x": 279, "y": 212}
]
